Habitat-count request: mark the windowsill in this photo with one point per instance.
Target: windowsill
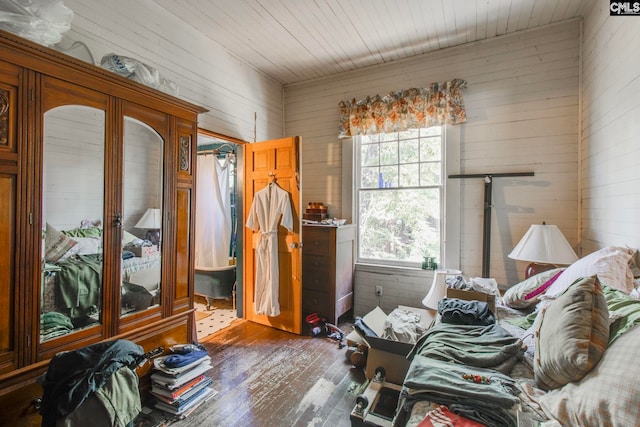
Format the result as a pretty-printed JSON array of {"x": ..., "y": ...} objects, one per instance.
[{"x": 393, "y": 270}]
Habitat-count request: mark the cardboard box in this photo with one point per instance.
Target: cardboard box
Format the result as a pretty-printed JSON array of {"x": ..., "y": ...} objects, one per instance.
[
  {"x": 143, "y": 251},
  {"x": 388, "y": 354},
  {"x": 469, "y": 295}
]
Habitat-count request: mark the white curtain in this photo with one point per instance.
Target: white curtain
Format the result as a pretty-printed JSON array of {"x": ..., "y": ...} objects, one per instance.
[{"x": 213, "y": 213}]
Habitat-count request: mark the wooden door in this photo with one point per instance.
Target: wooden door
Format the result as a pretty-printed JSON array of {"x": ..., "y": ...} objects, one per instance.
[{"x": 280, "y": 160}]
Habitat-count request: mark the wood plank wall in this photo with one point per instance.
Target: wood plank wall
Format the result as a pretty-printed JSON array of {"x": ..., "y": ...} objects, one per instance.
[
  {"x": 243, "y": 103},
  {"x": 142, "y": 180},
  {"x": 521, "y": 102},
  {"x": 522, "y": 109},
  {"x": 74, "y": 169},
  {"x": 73, "y": 166},
  {"x": 610, "y": 142}
]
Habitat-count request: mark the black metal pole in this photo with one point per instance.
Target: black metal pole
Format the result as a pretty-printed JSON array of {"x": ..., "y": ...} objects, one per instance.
[{"x": 486, "y": 227}]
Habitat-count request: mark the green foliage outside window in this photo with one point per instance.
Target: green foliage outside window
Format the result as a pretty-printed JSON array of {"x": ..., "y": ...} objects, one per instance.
[{"x": 399, "y": 196}]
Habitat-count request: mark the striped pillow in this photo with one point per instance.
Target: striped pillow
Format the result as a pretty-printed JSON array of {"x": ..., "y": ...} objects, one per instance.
[
  {"x": 572, "y": 334},
  {"x": 56, "y": 244},
  {"x": 608, "y": 395}
]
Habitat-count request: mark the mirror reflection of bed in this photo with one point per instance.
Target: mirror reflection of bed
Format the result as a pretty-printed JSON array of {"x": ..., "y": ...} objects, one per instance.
[{"x": 215, "y": 236}]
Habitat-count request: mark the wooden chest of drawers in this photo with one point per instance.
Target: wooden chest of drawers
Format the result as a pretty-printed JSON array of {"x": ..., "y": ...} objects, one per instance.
[{"x": 328, "y": 256}]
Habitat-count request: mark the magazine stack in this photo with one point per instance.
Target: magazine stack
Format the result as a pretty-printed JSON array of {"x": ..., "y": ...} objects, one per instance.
[{"x": 179, "y": 383}]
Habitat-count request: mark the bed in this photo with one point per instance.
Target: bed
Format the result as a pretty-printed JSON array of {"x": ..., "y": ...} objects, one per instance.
[
  {"x": 72, "y": 280},
  {"x": 563, "y": 349}
]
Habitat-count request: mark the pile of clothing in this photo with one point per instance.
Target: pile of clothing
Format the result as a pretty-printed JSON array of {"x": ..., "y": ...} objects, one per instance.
[
  {"x": 478, "y": 284},
  {"x": 400, "y": 325},
  {"x": 96, "y": 383},
  {"x": 463, "y": 363},
  {"x": 54, "y": 324}
]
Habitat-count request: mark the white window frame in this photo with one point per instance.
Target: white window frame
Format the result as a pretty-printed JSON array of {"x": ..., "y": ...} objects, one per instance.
[{"x": 450, "y": 202}]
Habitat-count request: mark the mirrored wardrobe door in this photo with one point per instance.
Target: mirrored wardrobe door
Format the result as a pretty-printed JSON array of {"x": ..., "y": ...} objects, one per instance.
[
  {"x": 142, "y": 217},
  {"x": 72, "y": 219}
]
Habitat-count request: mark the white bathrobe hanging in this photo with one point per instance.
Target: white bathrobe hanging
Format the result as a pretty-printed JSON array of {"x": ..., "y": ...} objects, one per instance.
[{"x": 269, "y": 204}]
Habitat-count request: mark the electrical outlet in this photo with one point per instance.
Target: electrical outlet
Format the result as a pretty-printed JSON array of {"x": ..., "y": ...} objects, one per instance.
[{"x": 379, "y": 291}]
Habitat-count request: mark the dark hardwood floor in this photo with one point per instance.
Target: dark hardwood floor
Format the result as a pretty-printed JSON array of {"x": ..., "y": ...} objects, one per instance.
[{"x": 269, "y": 378}]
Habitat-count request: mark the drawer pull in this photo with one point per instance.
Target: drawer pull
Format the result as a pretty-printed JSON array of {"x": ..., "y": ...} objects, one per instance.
[{"x": 37, "y": 403}]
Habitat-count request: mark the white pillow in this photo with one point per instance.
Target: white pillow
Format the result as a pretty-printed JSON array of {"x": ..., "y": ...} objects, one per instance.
[
  {"x": 610, "y": 264},
  {"x": 88, "y": 245},
  {"x": 515, "y": 296},
  {"x": 127, "y": 238}
]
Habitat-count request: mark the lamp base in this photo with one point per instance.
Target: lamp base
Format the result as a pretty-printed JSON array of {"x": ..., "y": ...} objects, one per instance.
[
  {"x": 153, "y": 236},
  {"x": 537, "y": 267}
]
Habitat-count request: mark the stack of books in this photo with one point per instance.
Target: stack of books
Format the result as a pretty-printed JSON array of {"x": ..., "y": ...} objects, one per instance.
[{"x": 179, "y": 390}]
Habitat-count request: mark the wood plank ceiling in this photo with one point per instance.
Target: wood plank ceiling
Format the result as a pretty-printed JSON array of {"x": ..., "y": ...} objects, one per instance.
[{"x": 298, "y": 40}]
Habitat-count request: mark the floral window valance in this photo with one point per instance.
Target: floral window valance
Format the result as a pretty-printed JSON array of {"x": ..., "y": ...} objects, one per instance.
[{"x": 438, "y": 104}]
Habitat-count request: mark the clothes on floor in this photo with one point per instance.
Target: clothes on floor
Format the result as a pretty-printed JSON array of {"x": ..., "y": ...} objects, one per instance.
[
  {"x": 73, "y": 376},
  {"x": 115, "y": 404}
]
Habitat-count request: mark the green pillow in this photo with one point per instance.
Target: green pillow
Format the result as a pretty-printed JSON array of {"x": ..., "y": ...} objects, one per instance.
[{"x": 572, "y": 334}]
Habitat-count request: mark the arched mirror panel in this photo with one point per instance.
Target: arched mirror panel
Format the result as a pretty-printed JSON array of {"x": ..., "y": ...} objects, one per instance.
[
  {"x": 142, "y": 217},
  {"x": 72, "y": 220}
]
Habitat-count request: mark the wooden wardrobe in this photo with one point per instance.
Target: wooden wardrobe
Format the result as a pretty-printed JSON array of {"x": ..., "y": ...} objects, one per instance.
[{"x": 84, "y": 154}]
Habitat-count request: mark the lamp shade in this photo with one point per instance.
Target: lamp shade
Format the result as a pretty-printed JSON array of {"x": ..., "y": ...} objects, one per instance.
[
  {"x": 438, "y": 288},
  {"x": 152, "y": 219},
  {"x": 544, "y": 244}
]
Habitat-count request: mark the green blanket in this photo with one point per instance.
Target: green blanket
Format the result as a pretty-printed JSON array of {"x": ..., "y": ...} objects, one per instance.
[
  {"x": 488, "y": 401},
  {"x": 624, "y": 309},
  {"x": 524, "y": 322},
  {"x": 480, "y": 346},
  {"x": 80, "y": 285}
]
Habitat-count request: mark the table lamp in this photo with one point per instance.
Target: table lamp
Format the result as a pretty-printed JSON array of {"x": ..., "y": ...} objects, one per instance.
[
  {"x": 152, "y": 221},
  {"x": 438, "y": 288},
  {"x": 545, "y": 247}
]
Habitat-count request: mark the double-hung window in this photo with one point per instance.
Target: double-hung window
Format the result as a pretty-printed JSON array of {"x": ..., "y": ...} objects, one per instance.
[{"x": 399, "y": 196}]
